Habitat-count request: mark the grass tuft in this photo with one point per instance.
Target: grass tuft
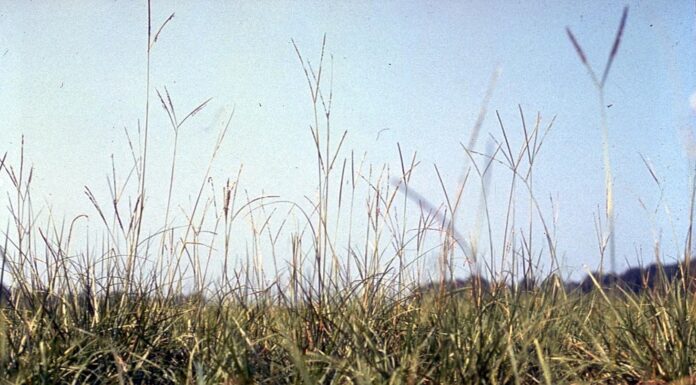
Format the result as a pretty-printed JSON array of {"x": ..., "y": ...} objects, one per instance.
[{"x": 351, "y": 297}]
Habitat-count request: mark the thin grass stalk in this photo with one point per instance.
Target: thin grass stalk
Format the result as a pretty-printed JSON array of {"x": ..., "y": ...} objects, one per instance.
[{"x": 600, "y": 86}]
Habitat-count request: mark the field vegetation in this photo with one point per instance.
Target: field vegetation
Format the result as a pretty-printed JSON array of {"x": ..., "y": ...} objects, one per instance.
[{"x": 173, "y": 305}]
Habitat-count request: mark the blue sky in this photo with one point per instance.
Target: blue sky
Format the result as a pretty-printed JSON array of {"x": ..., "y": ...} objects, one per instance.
[{"x": 72, "y": 76}]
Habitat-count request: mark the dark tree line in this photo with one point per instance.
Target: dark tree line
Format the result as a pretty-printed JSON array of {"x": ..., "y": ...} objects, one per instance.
[{"x": 655, "y": 276}]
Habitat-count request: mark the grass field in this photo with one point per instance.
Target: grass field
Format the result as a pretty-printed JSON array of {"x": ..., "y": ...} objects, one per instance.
[{"x": 170, "y": 305}]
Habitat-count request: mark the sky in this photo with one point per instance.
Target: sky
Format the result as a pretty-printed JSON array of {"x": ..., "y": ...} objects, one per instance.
[{"x": 72, "y": 79}]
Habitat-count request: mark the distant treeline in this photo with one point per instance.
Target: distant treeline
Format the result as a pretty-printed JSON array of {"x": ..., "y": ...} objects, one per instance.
[{"x": 635, "y": 280}]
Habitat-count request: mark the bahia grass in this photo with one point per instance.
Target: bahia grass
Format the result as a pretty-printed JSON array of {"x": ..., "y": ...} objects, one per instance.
[{"x": 341, "y": 306}]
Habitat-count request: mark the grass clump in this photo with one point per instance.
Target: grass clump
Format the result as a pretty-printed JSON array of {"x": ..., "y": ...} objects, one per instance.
[{"x": 344, "y": 306}]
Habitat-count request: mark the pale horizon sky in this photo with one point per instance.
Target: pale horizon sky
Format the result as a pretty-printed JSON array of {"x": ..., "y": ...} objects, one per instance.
[{"x": 73, "y": 76}]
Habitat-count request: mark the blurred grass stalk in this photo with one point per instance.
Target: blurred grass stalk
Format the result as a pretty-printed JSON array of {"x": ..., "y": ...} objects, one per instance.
[{"x": 600, "y": 86}]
